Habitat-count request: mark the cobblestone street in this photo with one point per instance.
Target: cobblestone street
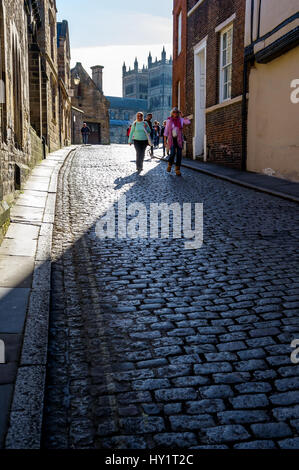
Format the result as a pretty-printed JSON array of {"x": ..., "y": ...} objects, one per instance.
[{"x": 152, "y": 345}]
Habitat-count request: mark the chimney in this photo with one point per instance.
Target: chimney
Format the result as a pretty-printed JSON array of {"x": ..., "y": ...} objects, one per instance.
[{"x": 97, "y": 76}]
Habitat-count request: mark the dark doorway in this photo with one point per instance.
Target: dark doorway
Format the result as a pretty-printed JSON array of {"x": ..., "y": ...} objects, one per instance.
[{"x": 95, "y": 132}]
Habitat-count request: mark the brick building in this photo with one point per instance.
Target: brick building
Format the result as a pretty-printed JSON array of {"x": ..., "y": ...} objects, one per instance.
[
  {"x": 29, "y": 90},
  {"x": 215, "y": 98},
  {"x": 179, "y": 55},
  {"x": 88, "y": 96}
]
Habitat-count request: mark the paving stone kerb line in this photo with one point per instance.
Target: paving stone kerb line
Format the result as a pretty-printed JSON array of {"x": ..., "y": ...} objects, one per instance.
[
  {"x": 26, "y": 412},
  {"x": 217, "y": 173}
]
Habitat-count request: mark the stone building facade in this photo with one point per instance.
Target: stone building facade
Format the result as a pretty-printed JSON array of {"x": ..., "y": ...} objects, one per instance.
[
  {"x": 122, "y": 112},
  {"x": 77, "y": 124},
  {"x": 88, "y": 96},
  {"x": 152, "y": 83},
  {"x": 215, "y": 95},
  {"x": 15, "y": 158},
  {"x": 29, "y": 104},
  {"x": 64, "y": 81},
  {"x": 47, "y": 40}
]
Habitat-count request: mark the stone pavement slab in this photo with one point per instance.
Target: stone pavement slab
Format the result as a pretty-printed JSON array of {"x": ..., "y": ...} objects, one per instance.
[
  {"x": 25, "y": 269},
  {"x": 33, "y": 198},
  {"x": 17, "y": 247},
  {"x": 13, "y": 306},
  {"x": 27, "y": 214},
  {"x": 12, "y": 349},
  {"x": 16, "y": 271},
  {"x": 5, "y": 400}
]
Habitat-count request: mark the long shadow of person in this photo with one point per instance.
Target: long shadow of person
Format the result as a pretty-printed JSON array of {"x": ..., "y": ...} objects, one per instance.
[{"x": 120, "y": 182}]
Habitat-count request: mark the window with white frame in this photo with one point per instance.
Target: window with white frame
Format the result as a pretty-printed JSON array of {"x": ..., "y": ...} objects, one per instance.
[
  {"x": 179, "y": 33},
  {"x": 226, "y": 53}
]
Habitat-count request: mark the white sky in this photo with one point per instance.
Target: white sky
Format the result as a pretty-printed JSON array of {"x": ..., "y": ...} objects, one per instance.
[{"x": 109, "y": 33}]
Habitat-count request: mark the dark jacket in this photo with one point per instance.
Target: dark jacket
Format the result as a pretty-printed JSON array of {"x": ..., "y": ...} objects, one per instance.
[
  {"x": 85, "y": 130},
  {"x": 151, "y": 126}
]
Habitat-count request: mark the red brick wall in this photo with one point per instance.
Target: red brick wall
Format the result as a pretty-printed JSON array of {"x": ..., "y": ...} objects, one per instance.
[
  {"x": 224, "y": 125},
  {"x": 179, "y": 62}
]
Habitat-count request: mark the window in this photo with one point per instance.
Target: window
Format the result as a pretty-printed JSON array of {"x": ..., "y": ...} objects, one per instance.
[
  {"x": 179, "y": 33},
  {"x": 17, "y": 95},
  {"x": 53, "y": 93},
  {"x": 179, "y": 95},
  {"x": 142, "y": 88},
  {"x": 129, "y": 89},
  {"x": 226, "y": 53},
  {"x": 2, "y": 79},
  {"x": 52, "y": 34}
]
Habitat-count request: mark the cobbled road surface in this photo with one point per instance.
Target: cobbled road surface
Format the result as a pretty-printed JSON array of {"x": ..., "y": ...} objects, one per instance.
[{"x": 153, "y": 345}]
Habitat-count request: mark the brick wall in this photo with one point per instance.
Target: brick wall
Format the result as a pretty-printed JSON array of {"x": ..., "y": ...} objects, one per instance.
[{"x": 223, "y": 125}]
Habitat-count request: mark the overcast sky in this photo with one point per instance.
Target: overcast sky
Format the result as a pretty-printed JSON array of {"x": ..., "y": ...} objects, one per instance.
[{"x": 108, "y": 33}]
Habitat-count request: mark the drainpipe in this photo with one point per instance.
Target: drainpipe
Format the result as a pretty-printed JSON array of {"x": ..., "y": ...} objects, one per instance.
[{"x": 248, "y": 58}]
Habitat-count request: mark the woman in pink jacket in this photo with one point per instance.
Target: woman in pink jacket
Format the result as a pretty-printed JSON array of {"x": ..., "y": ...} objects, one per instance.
[{"x": 173, "y": 134}]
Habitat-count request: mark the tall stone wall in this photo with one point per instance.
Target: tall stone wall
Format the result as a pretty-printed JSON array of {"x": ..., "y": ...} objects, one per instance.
[{"x": 30, "y": 119}]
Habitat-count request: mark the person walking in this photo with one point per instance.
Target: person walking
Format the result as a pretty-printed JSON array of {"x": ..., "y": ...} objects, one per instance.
[
  {"x": 173, "y": 138},
  {"x": 140, "y": 133},
  {"x": 85, "y": 131},
  {"x": 162, "y": 135},
  {"x": 157, "y": 131},
  {"x": 148, "y": 119}
]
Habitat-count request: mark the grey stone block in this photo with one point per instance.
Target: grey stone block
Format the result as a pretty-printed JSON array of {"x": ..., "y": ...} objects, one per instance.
[
  {"x": 36, "y": 332},
  {"x": 13, "y": 306},
  {"x": 5, "y": 400},
  {"x": 271, "y": 430},
  {"x": 16, "y": 271},
  {"x": 8, "y": 373},
  {"x": 229, "y": 433},
  {"x": 42, "y": 275},
  {"x": 256, "y": 445},
  {"x": 24, "y": 430},
  {"x": 44, "y": 245},
  {"x": 27, "y": 214},
  {"x": 20, "y": 246},
  {"x": 176, "y": 440}
]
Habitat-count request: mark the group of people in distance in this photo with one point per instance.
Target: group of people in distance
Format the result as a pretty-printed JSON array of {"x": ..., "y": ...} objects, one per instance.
[{"x": 143, "y": 133}]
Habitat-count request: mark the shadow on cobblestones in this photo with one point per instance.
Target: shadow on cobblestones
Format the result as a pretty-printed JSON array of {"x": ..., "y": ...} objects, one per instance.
[{"x": 152, "y": 345}]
